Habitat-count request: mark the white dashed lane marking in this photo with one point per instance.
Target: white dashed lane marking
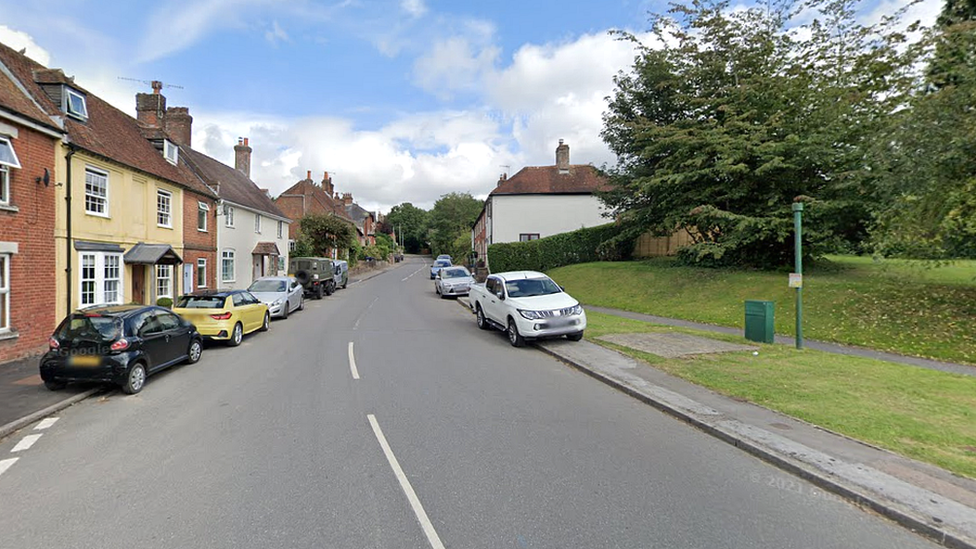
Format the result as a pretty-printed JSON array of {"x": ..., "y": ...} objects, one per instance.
[
  {"x": 6, "y": 463},
  {"x": 25, "y": 443},
  {"x": 352, "y": 363},
  {"x": 45, "y": 423}
]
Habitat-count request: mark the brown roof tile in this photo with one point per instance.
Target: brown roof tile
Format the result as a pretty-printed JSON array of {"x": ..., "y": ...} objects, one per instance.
[
  {"x": 231, "y": 184},
  {"x": 581, "y": 179},
  {"x": 316, "y": 201},
  {"x": 14, "y": 99},
  {"x": 266, "y": 248}
]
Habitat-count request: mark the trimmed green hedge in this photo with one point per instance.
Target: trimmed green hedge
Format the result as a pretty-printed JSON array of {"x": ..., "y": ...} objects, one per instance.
[{"x": 603, "y": 243}]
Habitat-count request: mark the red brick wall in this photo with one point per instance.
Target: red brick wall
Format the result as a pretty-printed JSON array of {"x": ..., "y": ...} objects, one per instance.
[
  {"x": 291, "y": 206},
  {"x": 32, "y": 269},
  {"x": 197, "y": 244}
]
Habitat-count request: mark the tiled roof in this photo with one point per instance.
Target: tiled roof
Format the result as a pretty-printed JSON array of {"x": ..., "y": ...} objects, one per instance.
[
  {"x": 266, "y": 248},
  {"x": 357, "y": 213},
  {"x": 14, "y": 99},
  {"x": 317, "y": 201},
  {"x": 231, "y": 184},
  {"x": 108, "y": 132},
  {"x": 581, "y": 179}
]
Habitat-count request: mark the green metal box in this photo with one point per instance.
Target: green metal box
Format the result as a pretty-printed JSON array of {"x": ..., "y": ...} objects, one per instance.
[{"x": 759, "y": 321}]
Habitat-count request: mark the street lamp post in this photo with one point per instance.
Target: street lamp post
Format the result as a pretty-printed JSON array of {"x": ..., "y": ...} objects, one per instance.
[{"x": 798, "y": 252}]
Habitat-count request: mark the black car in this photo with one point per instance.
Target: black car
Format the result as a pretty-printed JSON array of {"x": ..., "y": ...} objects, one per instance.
[{"x": 120, "y": 344}]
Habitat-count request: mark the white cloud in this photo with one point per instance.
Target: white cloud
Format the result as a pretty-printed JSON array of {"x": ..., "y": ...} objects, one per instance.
[
  {"x": 276, "y": 34},
  {"x": 20, "y": 40},
  {"x": 453, "y": 65},
  {"x": 415, "y": 8}
]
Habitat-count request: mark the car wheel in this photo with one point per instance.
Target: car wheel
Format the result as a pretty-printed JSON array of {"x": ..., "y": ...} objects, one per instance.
[
  {"x": 330, "y": 287},
  {"x": 135, "y": 380},
  {"x": 284, "y": 310},
  {"x": 301, "y": 303},
  {"x": 55, "y": 385},
  {"x": 482, "y": 321},
  {"x": 345, "y": 284},
  {"x": 575, "y": 337},
  {"x": 236, "y": 336},
  {"x": 318, "y": 292},
  {"x": 514, "y": 337},
  {"x": 266, "y": 325},
  {"x": 195, "y": 352},
  {"x": 437, "y": 290}
]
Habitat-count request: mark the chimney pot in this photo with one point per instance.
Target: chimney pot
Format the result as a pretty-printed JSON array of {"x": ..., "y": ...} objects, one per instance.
[{"x": 308, "y": 175}]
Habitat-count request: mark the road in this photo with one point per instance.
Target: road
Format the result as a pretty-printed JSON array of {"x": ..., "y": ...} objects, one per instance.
[{"x": 436, "y": 434}]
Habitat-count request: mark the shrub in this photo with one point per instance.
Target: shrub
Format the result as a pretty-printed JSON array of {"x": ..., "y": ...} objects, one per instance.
[
  {"x": 165, "y": 302},
  {"x": 603, "y": 243}
]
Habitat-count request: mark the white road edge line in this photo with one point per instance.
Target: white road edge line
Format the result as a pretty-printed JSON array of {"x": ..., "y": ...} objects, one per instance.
[
  {"x": 45, "y": 423},
  {"x": 418, "y": 509},
  {"x": 6, "y": 463},
  {"x": 352, "y": 363},
  {"x": 356, "y": 325},
  {"x": 413, "y": 273},
  {"x": 25, "y": 443}
]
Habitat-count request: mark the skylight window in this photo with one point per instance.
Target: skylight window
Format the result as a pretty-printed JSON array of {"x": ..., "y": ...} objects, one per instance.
[{"x": 75, "y": 104}]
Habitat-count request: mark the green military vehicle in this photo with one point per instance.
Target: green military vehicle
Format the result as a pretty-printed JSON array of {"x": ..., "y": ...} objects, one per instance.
[{"x": 315, "y": 274}]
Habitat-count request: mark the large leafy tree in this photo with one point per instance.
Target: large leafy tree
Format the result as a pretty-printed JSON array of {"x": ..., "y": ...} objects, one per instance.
[
  {"x": 450, "y": 224},
  {"x": 729, "y": 116},
  {"x": 322, "y": 233},
  {"x": 412, "y": 222}
]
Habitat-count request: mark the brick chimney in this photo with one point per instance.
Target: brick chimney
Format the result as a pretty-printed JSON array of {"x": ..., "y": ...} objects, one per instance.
[
  {"x": 178, "y": 124},
  {"x": 346, "y": 199},
  {"x": 242, "y": 156},
  {"x": 327, "y": 184},
  {"x": 562, "y": 158},
  {"x": 150, "y": 108}
]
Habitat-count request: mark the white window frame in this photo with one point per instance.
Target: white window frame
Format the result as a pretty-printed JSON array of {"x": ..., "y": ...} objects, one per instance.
[
  {"x": 229, "y": 217},
  {"x": 201, "y": 265},
  {"x": 205, "y": 208},
  {"x": 281, "y": 229},
  {"x": 105, "y": 199},
  {"x": 161, "y": 277},
  {"x": 171, "y": 152},
  {"x": 4, "y": 184},
  {"x": 226, "y": 255},
  {"x": 69, "y": 108},
  {"x": 291, "y": 245},
  {"x": 257, "y": 223},
  {"x": 5, "y": 291},
  {"x": 99, "y": 280},
  {"x": 163, "y": 194}
]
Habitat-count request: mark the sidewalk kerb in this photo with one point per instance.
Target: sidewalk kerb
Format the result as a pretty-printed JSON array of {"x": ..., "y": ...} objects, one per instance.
[
  {"x": 795, "y": 467},
  {"x": 18, "y": 424}
]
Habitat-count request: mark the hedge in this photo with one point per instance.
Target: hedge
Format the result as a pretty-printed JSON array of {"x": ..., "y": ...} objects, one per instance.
[{"x": 603, "y": 243}]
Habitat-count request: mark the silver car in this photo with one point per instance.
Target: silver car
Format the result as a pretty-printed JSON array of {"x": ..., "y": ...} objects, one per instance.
[
  {"x": 453, "y": 281},
  {"x": 282, "y": 294}
]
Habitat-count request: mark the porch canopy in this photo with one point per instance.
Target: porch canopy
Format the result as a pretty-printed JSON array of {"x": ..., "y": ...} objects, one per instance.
[{"x": 152, "y": 254}]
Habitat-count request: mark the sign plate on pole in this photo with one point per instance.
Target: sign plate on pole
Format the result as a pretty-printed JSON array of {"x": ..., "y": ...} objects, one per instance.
[{"x": 796, "y": 280}]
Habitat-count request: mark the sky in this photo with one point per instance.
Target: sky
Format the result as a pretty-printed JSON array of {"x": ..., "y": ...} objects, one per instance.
[{"x": 399, "y": 100}]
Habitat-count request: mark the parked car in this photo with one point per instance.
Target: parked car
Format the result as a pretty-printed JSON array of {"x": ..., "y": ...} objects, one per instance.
[
  {"x": 527, "y": 305},
  {"x": 438, "y": 265},
  {"x": 341, "y": 273},
  {"x": 453, "y": 281},
  {"x": 224, "y": 315},
  {"x": 119, "y": 344},
  {"x": 445, "y": 256},
  {"x": 282, "y": 294},
  {"x": 315, "y": 274}
]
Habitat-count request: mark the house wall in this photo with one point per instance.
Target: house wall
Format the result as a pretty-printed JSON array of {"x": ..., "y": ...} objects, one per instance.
[
  {"x": 242, "y": 239},
  {"x": 27, "y": 229},
  {"x": 131, "y": 219},
  {"x": 545, "y": 215},
  {"x": 199, "y": 244}
]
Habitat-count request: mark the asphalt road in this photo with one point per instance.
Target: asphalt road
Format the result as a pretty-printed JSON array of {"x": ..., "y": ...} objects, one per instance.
[{"x": 448, "y": 438}]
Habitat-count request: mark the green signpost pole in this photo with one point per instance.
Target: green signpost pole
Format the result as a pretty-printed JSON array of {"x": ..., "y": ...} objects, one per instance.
[{"x": 798, "y": 251}]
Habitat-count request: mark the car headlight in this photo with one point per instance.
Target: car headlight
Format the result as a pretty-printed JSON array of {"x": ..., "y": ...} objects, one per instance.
[
  {"x": 276, "y": 303},
  {"x": 530, "y": 315},
  {"x": 577, "y": 310}
]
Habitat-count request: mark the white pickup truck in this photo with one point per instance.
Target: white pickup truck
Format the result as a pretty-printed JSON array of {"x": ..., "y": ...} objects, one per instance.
[{"x": 526, "y": 305}]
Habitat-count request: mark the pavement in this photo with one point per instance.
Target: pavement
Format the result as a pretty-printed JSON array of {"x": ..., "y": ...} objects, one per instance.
[{"x": 924, "y": 498}]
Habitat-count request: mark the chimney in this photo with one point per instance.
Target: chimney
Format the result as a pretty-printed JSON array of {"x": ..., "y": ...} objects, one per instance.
[
  {"x": 308, "y": 175},
  {"x": 267, "y": 192},
  {"x": 327, "y": 184},
  {"x": 346, "y": 199},
  {"x": 562, "y": 158},
  {"x": 177, "y": 122},
  {"x": 150, "y": 108},
  {"x": 242, "y": 157}
]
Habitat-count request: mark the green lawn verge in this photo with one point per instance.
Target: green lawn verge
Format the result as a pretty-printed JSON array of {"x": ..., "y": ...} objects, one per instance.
[
  {"x": 897, "y": 306},
  {"x": 923, "y": 414}
]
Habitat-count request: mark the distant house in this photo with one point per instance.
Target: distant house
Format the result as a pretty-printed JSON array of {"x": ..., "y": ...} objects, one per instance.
[
  {"x": 306, "y": 197},
  {"x": 364, "y": 219},
  {"x": 540, "y": 201}
]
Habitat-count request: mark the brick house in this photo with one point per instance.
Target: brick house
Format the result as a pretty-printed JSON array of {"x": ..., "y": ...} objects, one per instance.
[
  {"x": 29, "y": 139},
  {"x": 364, "y": 219},
  {"x": 307, "y": 197}
]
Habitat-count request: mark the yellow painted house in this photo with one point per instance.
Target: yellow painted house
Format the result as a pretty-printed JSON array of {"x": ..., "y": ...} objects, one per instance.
[{"x": 119, "y": 198}]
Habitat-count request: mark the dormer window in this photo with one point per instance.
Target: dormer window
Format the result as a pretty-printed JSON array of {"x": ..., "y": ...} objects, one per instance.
[
  {"x": 75, "y": 104},
  {"x": 170, "y": 151},
  {"x": 8, "y": 160}
]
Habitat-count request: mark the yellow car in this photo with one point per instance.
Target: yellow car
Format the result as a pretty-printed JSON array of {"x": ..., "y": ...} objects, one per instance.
[{"x": 224, "y": 314}]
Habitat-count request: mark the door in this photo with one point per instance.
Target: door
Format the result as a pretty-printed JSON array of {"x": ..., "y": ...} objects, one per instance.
[
  {"x": 494, "y": 309},
  {"x": 153, "y": 341},
  {"x": 187, "y": 279},
  {"x": 176, "y": 336},
  {"x": 294, "y": 294},
  {"x": 258, "y": 262},
  {"x": 139, "y": 284}
]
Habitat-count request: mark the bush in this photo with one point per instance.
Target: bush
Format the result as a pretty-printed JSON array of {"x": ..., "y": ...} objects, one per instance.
[
  {"x": 602, "y": 243},
  {"x": 165, "y": 302}
]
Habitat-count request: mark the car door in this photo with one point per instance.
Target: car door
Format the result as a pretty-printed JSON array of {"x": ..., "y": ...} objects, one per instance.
[
  {"x": 496, "y": 293},
  {"x": 294, "y": 294},
  {"x": 255, "y": 311},
  {"x": 154, "y": 343},
  {"x": 243, "y": 311},
  {"x": 176, "y": 335}
]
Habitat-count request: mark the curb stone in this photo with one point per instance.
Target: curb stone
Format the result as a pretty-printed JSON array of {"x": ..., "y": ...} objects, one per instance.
[{"x": 18, "y": 424}]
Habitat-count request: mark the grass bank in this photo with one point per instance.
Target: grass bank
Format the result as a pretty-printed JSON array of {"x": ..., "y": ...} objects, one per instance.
[
  {"x": 897, "y": 306},
  {"x": 923, "y": 414}
]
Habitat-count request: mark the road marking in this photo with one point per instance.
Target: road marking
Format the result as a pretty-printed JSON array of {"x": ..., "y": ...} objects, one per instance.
[
  {"x": 25, "y": 443},
  {"x": 356, "y": 325},
  {"x": 45, "y": 423},
  {"x": 352, "y": 363},
  {"x": 6, "y": 463},
  {"x": 418, "y": 509},
  {"x": 415, "y": 272}
]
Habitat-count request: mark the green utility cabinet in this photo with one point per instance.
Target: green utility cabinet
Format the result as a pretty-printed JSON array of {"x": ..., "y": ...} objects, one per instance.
[{"x": 759, "y": 321}]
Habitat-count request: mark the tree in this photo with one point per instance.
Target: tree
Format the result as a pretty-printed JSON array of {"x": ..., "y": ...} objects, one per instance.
[
  {"x": 731, "y": 116},
  {"x": 450, "y": 224},
  {"x": 412, "y": 222},
  {"x": 322, "y": 233}
]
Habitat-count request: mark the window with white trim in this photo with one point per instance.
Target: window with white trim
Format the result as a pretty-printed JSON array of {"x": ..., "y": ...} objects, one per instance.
[
  {"x": 96, "y": 192},
  {"x": 257, "y": 223},
  {"x": 164, "y": 281},
  {"x": 203, "y": 211},
  {"x": 4, "y": 292},
  {"x": 229, "y": 216},
  {"x": 8, "y": 160},
  {"x": 227, "y": 265},
  {"x": 291, "y": 245},
  {"x": 170, "y": 151},
  {"x": 202, "y": 272},
  {"x": 164, "y": 208},
  {"x": 4, "y": 184},
  {"x": 74, "y": 104},
  {"x": 100, "y": 278},
  {"x": 281, "y": 229}
]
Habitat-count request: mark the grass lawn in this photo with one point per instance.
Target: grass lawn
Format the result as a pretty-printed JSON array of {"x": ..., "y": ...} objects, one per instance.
[
  {"x": 926, "y": 415},
  {"x": 897, "y": 306}
]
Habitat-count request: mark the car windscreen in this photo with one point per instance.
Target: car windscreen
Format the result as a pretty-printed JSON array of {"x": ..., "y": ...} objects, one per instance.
[
  {"x": 200, "y": 302},
  {"x": 442, "y": 263},
  {"x": 268, "y": 286},
  {"x": 529, "y": 287},
  {"x": 454, "y": 273},
  {"x": 90, "y": 327}
]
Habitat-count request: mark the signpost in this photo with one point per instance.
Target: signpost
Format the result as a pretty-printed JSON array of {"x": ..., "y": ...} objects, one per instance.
[{"x": 796, "y": 278}]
